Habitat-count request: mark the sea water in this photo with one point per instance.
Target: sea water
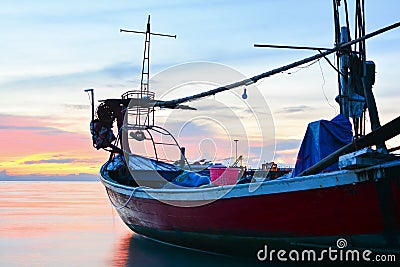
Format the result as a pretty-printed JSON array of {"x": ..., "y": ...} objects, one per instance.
[{"x": 73, "y": 224}]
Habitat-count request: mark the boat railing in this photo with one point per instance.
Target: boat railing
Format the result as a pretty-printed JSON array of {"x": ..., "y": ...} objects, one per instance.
[{"x": 138, "y": 94}]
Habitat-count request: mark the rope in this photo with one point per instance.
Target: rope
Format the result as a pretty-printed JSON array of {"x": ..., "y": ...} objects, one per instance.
[
  {"x": 323, "y": 88},
  {"x": 302, "y": 68},
  {"x": 126, "y": 203}
]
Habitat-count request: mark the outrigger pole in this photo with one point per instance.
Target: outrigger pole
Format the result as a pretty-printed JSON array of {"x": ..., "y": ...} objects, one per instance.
[
  {"x": 292, "y": 47},
  {"x": 254, "y": 79}
]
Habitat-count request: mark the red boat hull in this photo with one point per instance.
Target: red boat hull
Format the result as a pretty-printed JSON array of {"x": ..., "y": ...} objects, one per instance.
[{"x": 366, "y": 213}]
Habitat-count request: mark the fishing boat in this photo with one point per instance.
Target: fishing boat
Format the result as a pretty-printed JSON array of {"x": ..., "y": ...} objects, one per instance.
[{"x": 346, "y": 182}]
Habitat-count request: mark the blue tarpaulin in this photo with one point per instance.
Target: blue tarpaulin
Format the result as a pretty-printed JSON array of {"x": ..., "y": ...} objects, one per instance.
[
  {"x": 321, "y": 139},
  {"x": 191, "y": 179}
]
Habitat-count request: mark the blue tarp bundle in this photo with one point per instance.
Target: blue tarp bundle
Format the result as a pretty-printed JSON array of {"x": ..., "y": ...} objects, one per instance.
[
  {"x": 191, "y": 179},
  {"x": 321, "y": 139}
]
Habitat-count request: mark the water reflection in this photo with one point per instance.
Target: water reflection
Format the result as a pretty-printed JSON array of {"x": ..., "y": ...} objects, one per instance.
[
  {"x": 57, "y": 224},
  {"x": 121, "y": 253},
  {"x": 135, "y": 250}
]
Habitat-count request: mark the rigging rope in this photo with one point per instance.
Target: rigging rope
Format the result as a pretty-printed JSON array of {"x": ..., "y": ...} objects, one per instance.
[
  {"x": 323, "y": 90},
  {"x": 301, "y": 68},
  {"x": 126, "y": 203}
]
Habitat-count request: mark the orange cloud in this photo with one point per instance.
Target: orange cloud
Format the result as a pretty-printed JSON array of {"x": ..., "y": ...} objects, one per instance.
[{"x": 32, "y": 145}]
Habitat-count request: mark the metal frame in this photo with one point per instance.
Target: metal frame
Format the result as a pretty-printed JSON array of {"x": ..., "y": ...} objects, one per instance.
[{"x": 161, "y": 131}]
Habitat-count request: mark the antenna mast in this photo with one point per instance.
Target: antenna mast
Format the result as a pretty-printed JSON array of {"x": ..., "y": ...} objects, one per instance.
[
  {"x": 144, "y": 82},
  {"x": 143, "y": 118}
]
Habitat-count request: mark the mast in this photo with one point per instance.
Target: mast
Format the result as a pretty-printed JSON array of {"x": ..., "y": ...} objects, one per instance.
[
  {"x": 356, "y": 75},
  {"x": 136, "y": 104},
  {"x": 144, "y": 81},
  {"x": 144, "y": 116},
  {"x": 343, "y": 56}
]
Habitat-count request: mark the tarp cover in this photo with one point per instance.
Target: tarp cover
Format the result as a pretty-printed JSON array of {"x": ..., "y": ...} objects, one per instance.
[
  {"x": 186, "y": 178},
  {"x": 191, "y": 179},
  {"x": 321, "y": 139},
  {"x": 137, "y": 162}
]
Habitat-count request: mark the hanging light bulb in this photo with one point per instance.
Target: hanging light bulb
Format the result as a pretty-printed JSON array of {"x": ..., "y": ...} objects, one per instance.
[{"x": 244, "y": 95}]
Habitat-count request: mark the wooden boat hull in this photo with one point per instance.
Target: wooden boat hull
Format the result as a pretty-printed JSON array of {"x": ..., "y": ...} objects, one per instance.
[{"x": 362, "y": 206}]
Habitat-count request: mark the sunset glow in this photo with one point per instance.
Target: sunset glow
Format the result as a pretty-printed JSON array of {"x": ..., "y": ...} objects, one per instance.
[
  {"x": 53, "y": 50},
  {"x": 37, "y": 147}
]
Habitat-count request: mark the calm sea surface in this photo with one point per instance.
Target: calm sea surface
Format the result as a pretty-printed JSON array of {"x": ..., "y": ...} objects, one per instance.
[{"x": 73, "y": 224}]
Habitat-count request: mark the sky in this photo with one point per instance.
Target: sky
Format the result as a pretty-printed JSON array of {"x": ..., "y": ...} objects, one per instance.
[{"x": 52, "y": 50}]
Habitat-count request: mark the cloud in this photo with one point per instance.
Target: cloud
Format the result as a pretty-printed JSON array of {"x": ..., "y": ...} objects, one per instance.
[
  {"x": 4, "y": 176},
  {"x": 115, "y": 71},
  {"x": 288, "y": 144},
  {"x": 42, "y": 130},
  {"x": 77, "y": 106},
  {"x": 295, "y": 109},
  {"x": 60, "y": 161},
  {"x": 37, "y": 145}
]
